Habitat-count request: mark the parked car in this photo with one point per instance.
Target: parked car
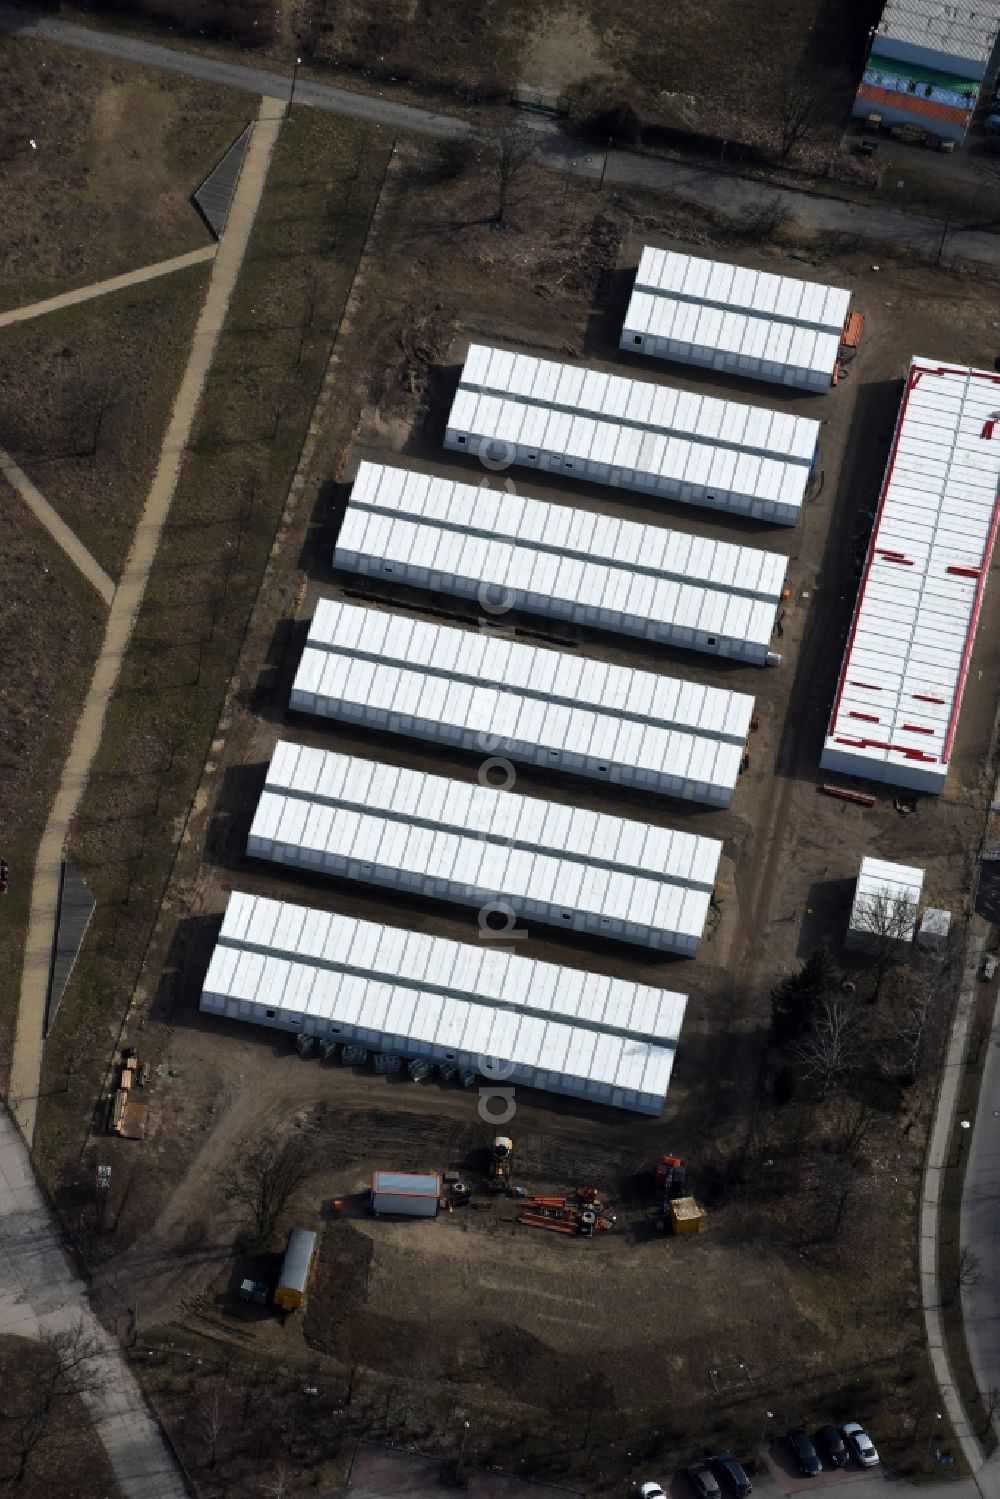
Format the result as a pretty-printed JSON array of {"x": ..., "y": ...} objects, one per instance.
[
  {"x": 733, "y": 1474},
  {"x": 651, "y": 1491},
  {"x": 832, "y": 1444},
  {"x": 860, "y": 1444},
  {"x": 704, "y": 1481},
  {"x": 804, "y": 1452}
]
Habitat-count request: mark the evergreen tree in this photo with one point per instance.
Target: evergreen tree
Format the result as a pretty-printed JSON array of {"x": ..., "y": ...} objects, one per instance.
[{"x": 794, "y": 1000}]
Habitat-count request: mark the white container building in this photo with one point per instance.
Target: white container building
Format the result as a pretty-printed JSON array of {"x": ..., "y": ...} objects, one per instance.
[
  {"x": 542, "y": 1025},
  {"x": 738, "y": 321},
  {"x": 572, "y": 565},
  {"x": 405, "y": 1194},
  {"x": 896, "y": 710},
  {"x": 474, "y": 845},
  {"x": 494, "y": 696},
  {"x": 886, "y": 900},
  {"x": 700, "y": 450}
]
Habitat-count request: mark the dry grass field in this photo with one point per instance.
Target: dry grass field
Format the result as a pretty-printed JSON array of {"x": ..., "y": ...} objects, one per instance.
[{"x": 117, "y": 153}]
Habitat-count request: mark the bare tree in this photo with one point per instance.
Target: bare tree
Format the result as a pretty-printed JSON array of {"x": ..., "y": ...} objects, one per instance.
[
  {"x": 264, "y": 1179},
  {"x": 69, "y": 1371},
  {"x": 832, "y": 1047},
  {"x": 806, "y": 100},
  {"x": 279, "y": 1485},
  {"x": 911, "y": 1028},
  {"x": 968, "y": 1271},
  {"x": 361, "y": 1344},
  {"x": 882, "y": 926},
  {"x": 215, "y": 1414},
  {"x": 843, "y": 1188},
  {"x": 507, "y": 150}
]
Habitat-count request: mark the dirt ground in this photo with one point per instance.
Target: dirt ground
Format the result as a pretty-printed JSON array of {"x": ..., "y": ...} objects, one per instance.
[
  {"x": 99, "y": 164},
  {"x": 825, "y": 1324}
]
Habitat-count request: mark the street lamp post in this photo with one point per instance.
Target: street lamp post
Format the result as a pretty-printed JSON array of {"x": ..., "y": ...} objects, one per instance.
[
  {"x": 768, "y": 1416},
  {"x": 295, "y": 74},
  {"x": 934, "y": 1430},
  {"x": 461, "y": 1451}
]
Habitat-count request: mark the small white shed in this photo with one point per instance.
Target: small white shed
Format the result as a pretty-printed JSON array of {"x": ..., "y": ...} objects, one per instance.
[
  {"x": 885, "y": 906},
  {"x": 409, "y": 1194},
  {"x": 934, "y": 928}
]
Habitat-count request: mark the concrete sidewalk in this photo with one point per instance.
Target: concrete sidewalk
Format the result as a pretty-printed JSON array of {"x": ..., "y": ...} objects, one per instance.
[
  {"x": 980, "y": 1231},
  {"x": 57, "y": 528},
  {"x": 40, "y": 1292},
  {"x": 26, "y": 1063},
  {"x": 939, "y": 1152},
  {"x": 104, "y": 288}
]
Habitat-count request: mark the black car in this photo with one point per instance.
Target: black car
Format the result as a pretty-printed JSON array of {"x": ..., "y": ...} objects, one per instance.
[
  {"x": 733, "y": 1474},
  {"x": 804, "y": 1452},
  {"x": 704, "y": 1482},
  {"x": 833, "y": 1446}
]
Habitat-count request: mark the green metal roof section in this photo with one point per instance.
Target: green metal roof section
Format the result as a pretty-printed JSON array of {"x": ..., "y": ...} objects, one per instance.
[{"x": 891, "y": 67}]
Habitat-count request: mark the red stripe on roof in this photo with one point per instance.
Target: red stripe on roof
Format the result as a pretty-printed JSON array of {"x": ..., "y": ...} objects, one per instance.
[
  {"x": 964, "y": 572},
  {"x": 917, "y": 728},
  {"x": 870, "y": 686},
  {"x": 970, "y": 634},
  {"x": 912, "y": 380},
  {"x": 869, "y": 717}
]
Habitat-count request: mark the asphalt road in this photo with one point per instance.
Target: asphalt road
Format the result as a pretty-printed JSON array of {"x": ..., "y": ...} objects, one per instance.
[{"x": 721, "y": 191}]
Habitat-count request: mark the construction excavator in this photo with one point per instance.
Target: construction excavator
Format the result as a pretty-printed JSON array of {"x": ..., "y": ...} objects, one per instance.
[{"x": 501, "y": 1157}]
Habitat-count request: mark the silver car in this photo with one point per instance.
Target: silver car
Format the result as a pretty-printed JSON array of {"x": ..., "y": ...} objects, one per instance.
[{"x": 860, "y": 1443}]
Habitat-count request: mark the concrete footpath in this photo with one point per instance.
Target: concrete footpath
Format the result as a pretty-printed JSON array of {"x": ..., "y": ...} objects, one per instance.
[
  {"x": 724, "y": 192},
  {"x": 40, "y": 1293},
  {"x": 980, "y": 1231},
  {"x": 26, "y": 1063},
  {"x": 104, "y": 288},
  {"x": 57, "y": 528},
  {"x": 939, "y": 1152}
]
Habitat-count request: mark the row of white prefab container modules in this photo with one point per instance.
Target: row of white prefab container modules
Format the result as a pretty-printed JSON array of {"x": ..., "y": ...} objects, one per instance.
[
  {"x": 895, "y": 714},
  {"x": 475, "y": 845},
  {"x": 496, "y": 696},
  {"x": 734, "y": 320},
  {"x": 538, "y": 1024},
  {"x": 700, "y": 450},
  {"x": 511, "y": 551}
]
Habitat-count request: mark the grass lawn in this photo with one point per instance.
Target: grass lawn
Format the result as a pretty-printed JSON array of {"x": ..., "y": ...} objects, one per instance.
[
  {"x": 325, "y": 176},
  {"x": 119, "y": 149},
  {"x": 87, "y": 397}
]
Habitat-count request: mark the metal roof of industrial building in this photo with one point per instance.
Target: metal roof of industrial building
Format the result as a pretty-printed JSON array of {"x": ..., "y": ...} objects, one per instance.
[
  {"x": 961, "y": 29},
  {"x": 504, "y": 540},
  {"x": 479, "y": 1000},
  {"x": 897, "y": 882},
  {"x": 634, "y": 425},
  {"x": 897, "y": 704},
  {"x": 486, "y": 839},
  {"x": 509, "y": 691},
  {"x": 734, "y": 310}
]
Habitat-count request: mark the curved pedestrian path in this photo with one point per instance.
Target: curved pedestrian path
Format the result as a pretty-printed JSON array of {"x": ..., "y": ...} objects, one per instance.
[{"x": 26, "y": 1064}]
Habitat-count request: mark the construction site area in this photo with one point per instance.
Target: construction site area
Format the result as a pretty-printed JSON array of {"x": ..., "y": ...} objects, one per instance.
[{"x": 547, "y": 1163}]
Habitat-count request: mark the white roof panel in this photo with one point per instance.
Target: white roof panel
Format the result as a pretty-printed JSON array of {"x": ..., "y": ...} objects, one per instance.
[
  {"x": 322, "y": 970},
  {"x": 904, "y": 671}
]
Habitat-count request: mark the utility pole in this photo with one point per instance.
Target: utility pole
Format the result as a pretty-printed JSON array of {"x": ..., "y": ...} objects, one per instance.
[
  {"x": 944, "y": 236},
  {"x": 295, "y": 74},
  {"x": 768, "y": 1416},
  {"x": 459, "y": 1474}
]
